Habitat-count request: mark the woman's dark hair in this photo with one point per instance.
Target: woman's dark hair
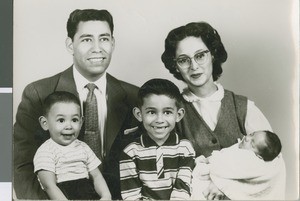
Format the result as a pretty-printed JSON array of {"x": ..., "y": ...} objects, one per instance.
[
  {"x": 209, "y": 36},
  {"x": 88, "y": 15}
]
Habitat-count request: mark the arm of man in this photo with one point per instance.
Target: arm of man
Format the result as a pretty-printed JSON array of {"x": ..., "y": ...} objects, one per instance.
[
  {"x": 48, "y": 181},
  {"x": 25, "y": 181},
  {"x": 100, "y": 185}
]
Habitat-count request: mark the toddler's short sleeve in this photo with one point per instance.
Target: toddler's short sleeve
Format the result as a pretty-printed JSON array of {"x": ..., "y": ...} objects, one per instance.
[
  {"x": 44, "y": 160},
  {"x": 92, "y": 160}
]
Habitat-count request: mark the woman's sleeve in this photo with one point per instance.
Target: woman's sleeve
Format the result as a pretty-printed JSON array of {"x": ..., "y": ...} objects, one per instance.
[{"x": 255, "y": 119}]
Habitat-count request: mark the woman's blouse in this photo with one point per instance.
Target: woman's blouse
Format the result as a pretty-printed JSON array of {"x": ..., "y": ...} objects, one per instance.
[{"x": 209, "y": 109}]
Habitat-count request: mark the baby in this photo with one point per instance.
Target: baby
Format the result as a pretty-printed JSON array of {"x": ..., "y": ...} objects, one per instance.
[{"x": 252, "y": 169}]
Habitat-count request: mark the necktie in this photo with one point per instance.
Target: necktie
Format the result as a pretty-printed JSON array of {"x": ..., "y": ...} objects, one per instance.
[
  {"x": 159, "y": 163},
  {"x": 92, "y": 132}
]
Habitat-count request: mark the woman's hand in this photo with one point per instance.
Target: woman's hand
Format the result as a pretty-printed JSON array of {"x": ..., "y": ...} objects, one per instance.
[
  {"x": 213, "y": 193},
  {"x": 201, "y": 159}
]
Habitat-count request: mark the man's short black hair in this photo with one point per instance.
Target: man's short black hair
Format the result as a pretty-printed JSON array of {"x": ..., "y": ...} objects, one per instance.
[{"x": 88, "y": 15}]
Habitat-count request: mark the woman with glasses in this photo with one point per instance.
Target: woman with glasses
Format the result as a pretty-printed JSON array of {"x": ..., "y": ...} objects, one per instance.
[{"x": 215, "y": 117}]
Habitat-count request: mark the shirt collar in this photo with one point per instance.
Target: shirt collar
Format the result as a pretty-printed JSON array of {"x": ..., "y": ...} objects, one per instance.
[
  {"x": 73, "y": 144},
  {"x": 81, "y": 81},
  {"x": 146, "y": 141},
  {"x": 191, "y": 97}
]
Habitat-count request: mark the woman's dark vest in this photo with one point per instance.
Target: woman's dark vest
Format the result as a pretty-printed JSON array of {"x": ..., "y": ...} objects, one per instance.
[{"x": 229, "y": 128}]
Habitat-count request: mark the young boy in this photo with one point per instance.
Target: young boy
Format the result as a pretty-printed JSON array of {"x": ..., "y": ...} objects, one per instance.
[
  {"x": 252, "y": 169},
  {"x": 63, "y": 163},
  {"x": 157, "y": 165}
]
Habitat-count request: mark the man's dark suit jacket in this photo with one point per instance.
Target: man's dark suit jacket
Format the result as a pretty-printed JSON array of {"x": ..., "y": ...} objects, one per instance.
[{"x": 28, "y": 135}]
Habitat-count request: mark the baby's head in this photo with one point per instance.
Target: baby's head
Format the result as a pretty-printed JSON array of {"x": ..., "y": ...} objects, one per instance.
[
  {"x": 159, "y": 108},
  {"x": 62, "y": 117},
  {"x": 265, "y": 144}
]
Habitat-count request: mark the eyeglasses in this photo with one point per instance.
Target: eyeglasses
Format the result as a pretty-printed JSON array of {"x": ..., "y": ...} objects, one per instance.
[{"x": 184, "y": 62}]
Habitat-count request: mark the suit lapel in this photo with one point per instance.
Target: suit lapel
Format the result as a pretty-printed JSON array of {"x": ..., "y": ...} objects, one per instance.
[
  {"x": 66, "y": 82},
  {"x": 117, "y": 109}
]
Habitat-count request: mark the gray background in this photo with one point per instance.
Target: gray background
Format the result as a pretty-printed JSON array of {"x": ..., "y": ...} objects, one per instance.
[
  {"x": 260, "y": 36},
  {"x": 6, "y": 36},
  {"x": 6, "y": 139},
  {"x": 6, "y": 80}
]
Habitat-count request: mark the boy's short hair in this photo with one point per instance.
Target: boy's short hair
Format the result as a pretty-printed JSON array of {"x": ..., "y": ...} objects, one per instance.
[
  {"x": 159, "y": 86},
  {"x": 59, "y": 97},
  {"x": 273, "y": 148}
]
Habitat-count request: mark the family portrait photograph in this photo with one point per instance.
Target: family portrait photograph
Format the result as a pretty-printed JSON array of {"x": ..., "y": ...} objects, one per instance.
[{"x": 155, "y": 100}]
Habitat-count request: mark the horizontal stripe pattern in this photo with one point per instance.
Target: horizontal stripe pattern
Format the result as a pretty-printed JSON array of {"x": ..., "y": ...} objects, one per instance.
[
  {"x": 67, "y": 162},
  {"x": 139, "y": 176}
]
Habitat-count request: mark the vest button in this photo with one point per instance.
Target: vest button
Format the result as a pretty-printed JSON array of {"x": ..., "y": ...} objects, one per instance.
[{"x": 214, "y": 141}]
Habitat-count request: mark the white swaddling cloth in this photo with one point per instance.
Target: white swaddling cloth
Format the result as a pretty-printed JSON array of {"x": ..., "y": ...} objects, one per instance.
[{"x": 240, "y": 175}]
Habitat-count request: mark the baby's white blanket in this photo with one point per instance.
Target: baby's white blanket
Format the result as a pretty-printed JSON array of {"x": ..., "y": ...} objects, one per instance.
[{"x": 241, "y": 175}]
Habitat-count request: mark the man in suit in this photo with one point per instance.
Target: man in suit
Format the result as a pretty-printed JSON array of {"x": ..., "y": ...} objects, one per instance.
[{"x": 90, "y": 40}]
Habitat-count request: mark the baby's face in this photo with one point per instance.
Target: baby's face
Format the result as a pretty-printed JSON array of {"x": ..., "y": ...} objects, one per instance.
[
  {"x": 254, "y": 141},
  {"x": 64, "y": 122}
]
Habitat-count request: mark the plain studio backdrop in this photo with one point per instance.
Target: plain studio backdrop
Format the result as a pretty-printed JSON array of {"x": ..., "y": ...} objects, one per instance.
[{"x": 260, "y": 36}]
